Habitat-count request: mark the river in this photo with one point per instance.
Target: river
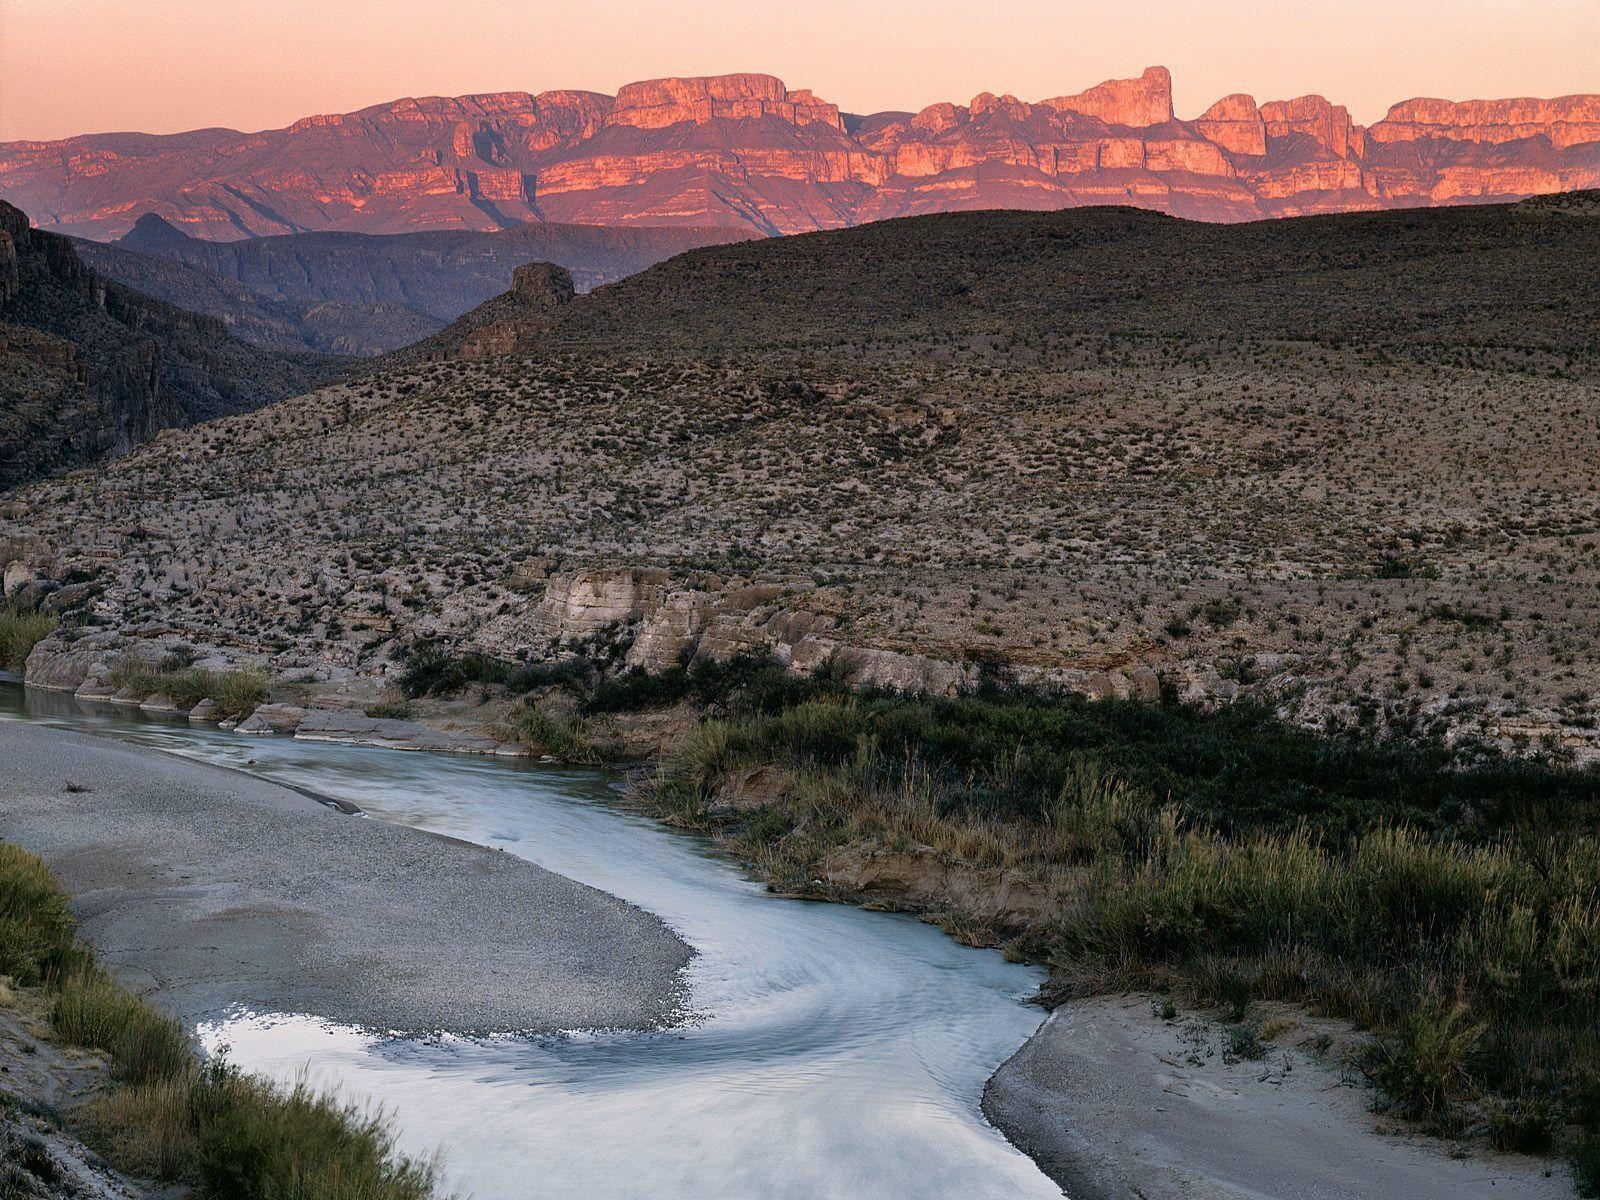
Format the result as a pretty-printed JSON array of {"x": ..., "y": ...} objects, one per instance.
[{"x": 828, "y": 1051}]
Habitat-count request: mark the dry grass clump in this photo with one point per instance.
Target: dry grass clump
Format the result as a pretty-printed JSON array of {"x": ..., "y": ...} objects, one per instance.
[{"x": 236, "y": 692}]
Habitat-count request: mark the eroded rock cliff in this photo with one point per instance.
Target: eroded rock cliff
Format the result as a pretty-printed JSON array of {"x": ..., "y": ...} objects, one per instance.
[{"x": 747, "y": 152}]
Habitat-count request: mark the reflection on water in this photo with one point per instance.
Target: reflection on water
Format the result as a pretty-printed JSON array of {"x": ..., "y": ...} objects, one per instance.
[{"x": 837, "y": 1054}]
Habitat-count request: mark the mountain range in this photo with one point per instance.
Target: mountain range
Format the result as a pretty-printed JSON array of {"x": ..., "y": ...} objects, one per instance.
[
  {"x": 746, "y": 152},
  {"x": 364, "y": 294}
]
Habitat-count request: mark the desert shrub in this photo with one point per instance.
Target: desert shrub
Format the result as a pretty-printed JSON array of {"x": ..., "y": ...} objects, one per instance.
[
  {"x": 565, "y": 736},
  {"x": 146, "y": 1128},
  {"x": 1423, "y": 1067},
  {"x": 20, "y": 631},
  {"x": 572, "y": 671},
  {"x": 254, "y": 1141},
  {"x": 745, "y": 685},
  {"x": 437, "y": 671},
  {"x": 92, "y": 1009},
  {"x": 37, "y": 932},
  {"x": 238, "y": 692}
]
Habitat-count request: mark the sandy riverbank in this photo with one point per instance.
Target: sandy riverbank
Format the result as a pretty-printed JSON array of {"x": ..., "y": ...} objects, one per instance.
[
  {"x": 218, "y": 889},
  {"x": 1115, "y": 1103}
]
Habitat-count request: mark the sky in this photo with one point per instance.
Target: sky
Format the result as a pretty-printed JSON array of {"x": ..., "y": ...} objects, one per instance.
[{"x": 159, "y": 66}]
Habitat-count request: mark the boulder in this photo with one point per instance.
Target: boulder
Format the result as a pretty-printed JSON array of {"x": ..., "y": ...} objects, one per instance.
[
  {"x": 273, "y": 718},
  {"x": 17, "y": 575}
]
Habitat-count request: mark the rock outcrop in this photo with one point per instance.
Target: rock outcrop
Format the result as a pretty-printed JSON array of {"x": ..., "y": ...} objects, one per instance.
[
  {"x": 507, "y": 324},
  {"x": 746, "y": 152}
]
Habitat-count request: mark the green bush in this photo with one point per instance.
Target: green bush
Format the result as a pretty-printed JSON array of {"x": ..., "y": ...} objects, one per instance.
[
  {"x": 20, "y": 631},
  {"x": 561, "y": 735},
  {"x": 1424, "y": 1066},
  {"x": 436, "y": 671}
]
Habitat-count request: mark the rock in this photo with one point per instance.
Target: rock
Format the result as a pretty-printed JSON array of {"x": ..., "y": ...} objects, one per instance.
[
  {"x": 61, "y": 666},
  {"x": 273, "y": 718},
  {"x": 1144, "y": 684},
  {"x": 1567, "y": 121},
  {"x": 544, "y": 286},
  {"x": 95, "y": 689},
  {"x": 160, "y": 703},
  {"x": 1328, "y": 125},
  {"x": 670, "y": 633},
  {"x": 1136, "y": 103},
  {"x": 758, "y": 787},
  {"x": 583, "y": 603},
  {"x": 1235, "y": 124},
  {"x": 206, "y": 710},
  {"x": 17, "y": 576},
  {"x": 358, "y": 729}
]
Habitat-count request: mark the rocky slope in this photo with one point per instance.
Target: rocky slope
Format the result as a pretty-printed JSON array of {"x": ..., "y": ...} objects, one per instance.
[
  {"x": 91, "y": 367},
  {"x": 1343, "y": 464},
  {"x": 346, "y": 293},
  {"x": 746, "y": 152}
]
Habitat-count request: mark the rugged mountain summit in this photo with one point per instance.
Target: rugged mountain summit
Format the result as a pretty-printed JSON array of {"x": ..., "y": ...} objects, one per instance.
[
  {"x": 746, "y": 152},
  {"x": 88, "y": 366},
  {"x": 364, "y": 294}
]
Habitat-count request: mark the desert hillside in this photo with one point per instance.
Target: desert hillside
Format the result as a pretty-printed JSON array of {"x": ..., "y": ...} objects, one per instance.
[{"x": 1342, "y": 463}]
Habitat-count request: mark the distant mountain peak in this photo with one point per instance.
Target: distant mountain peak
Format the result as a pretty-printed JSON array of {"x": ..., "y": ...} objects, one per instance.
[{"x": 152, "y": 229}]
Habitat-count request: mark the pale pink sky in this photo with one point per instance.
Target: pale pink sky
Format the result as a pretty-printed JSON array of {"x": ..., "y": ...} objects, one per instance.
[{"x": 77, "y": 66}]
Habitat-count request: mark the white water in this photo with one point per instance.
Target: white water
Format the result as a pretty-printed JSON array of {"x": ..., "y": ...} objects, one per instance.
[{"x": 836, "y": 1053}]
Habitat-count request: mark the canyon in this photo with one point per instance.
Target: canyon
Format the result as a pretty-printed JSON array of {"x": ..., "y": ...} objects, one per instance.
[
  {"x": 745, "y": 152},
  {"x": 89, "y": 367}
]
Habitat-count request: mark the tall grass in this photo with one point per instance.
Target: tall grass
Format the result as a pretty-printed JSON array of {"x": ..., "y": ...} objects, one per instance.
[
  {"x": 20, "y": 631},
  {"x": 236, "y": 692},
  {"x": 1452, "y": 907},
  {"x": 565, "y": 736},
  {"x": 170, "y": 1116}
]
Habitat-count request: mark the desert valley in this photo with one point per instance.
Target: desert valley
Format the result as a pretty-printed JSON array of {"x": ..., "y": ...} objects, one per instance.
[{"x": 1138, "y": 567}]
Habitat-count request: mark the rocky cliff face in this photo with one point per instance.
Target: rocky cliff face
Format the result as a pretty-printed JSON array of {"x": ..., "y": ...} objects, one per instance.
[
  {"x": 746, "y": 152},
  {"x": 89, "y": 367}
]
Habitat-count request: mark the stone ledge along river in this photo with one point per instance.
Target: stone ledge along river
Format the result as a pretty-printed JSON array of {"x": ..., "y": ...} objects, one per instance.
[{"x": 826, "y": 1051}]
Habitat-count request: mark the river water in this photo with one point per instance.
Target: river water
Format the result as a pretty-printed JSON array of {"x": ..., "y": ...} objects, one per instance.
[{"x": 830, "y": 1052}]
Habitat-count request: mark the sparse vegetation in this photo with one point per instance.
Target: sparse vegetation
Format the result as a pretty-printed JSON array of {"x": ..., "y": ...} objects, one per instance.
[
  {"x": 20, "y": 631},
  {"x": 236, "y": 692},
  {"x": 1453, "y": 908}
]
